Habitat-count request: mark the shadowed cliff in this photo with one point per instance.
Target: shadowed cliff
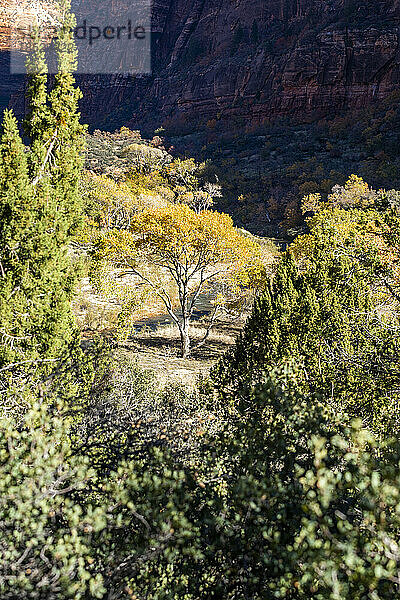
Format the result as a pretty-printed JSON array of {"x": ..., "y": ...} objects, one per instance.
[{"x": 249, "y": 61}]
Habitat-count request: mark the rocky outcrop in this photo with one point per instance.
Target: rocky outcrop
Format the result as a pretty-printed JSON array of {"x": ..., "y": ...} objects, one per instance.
[{"x": 249, "y": 61}]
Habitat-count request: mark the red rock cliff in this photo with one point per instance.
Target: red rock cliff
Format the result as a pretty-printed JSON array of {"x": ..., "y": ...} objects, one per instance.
[
  {"x": 248, "y": 61},
  {"x": 252, "y": 60}
]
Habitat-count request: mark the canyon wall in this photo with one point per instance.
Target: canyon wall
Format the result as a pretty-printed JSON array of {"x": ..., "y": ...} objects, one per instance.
[
  {"x": 252, "y": 60},
  {"x": 249, "y": 61}
]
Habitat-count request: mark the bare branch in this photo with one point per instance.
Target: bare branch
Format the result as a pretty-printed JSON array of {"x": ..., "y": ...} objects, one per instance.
[{"x": 46, "y": 159}]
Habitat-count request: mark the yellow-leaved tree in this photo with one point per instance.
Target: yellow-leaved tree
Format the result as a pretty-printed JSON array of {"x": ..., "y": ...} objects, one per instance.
[
  {"x": 110, "y": 204},
  {"x": 178, "y": 254}
]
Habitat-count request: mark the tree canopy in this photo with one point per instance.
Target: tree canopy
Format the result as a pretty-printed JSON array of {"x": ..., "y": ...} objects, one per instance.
[
  {"x": 191, "y": 250},
  {"x": 278, "y": 477}
]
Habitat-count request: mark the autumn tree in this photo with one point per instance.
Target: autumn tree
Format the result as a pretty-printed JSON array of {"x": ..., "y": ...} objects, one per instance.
[
  {"x": 174, "y": 245},
  {"x": 108, "y": 204},
  {"x": 187, "y": 182}
]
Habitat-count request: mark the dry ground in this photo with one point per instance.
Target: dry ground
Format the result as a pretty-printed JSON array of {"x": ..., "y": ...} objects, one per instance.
[
  {"x": 158, "y": 350},
  {"x": 155, "y": 343}
]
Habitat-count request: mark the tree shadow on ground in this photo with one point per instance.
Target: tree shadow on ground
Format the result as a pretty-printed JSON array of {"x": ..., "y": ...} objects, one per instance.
[{"x": 159, "y": 350}]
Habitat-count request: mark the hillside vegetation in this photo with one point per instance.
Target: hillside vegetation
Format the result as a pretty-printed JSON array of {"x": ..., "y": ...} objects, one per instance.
[
  {"x": 257, "y": 456},
  {"x": 265, "y": 171}
]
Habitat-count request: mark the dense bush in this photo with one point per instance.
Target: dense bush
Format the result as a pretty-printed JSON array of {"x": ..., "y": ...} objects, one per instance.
[
  {"x": 134, "y": 414},
  {"x": 283, "y": 500},
  {"x": 68, "y": 534},
  {"x": 332, "y": 306},
  {"x": 313, "y": 507}
]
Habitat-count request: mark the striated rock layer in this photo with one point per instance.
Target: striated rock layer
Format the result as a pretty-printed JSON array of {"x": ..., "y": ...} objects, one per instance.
[{"x": 250, "y": 61}]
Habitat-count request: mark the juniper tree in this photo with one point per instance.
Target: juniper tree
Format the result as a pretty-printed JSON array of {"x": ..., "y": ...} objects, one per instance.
[
  {"x": 16, "y": 224},
  {"x": 40, "y": 210},
  {"x": 323, "y": 318}
]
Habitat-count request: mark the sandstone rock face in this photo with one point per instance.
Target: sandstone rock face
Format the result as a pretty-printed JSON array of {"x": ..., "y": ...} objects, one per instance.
[
  {"x": 250, "y": 61},
  {"x": 253, "y": 60}
]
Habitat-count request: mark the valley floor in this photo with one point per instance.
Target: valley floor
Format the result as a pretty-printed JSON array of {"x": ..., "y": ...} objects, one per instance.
[{"x": 158, "y": 350}]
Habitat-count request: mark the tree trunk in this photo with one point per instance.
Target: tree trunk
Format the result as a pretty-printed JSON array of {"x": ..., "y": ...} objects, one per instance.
[
  {"x": 184, "y": 327},
  {"x": 185, "y": 341}
]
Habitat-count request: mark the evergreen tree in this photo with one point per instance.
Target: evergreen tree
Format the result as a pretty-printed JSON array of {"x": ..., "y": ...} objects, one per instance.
[
  {"x": 16, "y": 224},
  {"x": 322, "y": 318},
  {"x": 40, "y": 210},
  {"x": 311, "y": 505}
]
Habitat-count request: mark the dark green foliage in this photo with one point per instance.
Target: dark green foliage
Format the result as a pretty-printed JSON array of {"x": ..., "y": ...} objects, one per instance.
[
  {"x": 40, "y": 212},
  {"x": 287, "y": 501},
  {"x": 45, "y": 546},
  {"x": 323, "y": 318},
  {"x": 311, "y": 506},
  {"x": 67, "y": 534},
  {"x": 76, "y": 379}
]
